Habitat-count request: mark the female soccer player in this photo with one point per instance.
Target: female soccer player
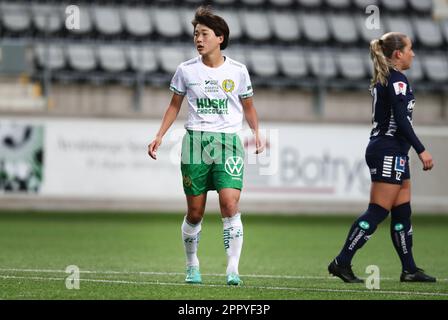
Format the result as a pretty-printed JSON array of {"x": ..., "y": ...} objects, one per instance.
[
  {"x": 219, "y": 92},
  {"x": 387, "y": 157}
]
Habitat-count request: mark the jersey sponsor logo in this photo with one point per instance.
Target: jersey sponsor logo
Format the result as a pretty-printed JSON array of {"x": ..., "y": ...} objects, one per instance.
[
  {"x": 228, "y": 85},
  {"x": 234, "y": 166},
  {"x": 373, "y": 171},
  {"x": 400, "y": 164},
  {"x": 212, "y": 106},
  {"x": 400, "y": 88},
  {"x": 211, "y": 86}
]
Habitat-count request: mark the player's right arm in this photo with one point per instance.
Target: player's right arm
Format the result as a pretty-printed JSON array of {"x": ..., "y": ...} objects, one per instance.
[{"x": 168, "y": 119}]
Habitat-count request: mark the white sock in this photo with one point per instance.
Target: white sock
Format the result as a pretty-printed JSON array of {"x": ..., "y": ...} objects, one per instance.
[
  {"x": 233, "y": 241},
  {"x": 191, "y": 233}
]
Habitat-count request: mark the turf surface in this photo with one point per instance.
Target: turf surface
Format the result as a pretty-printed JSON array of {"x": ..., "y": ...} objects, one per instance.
[{"x": 140, "y": 256}]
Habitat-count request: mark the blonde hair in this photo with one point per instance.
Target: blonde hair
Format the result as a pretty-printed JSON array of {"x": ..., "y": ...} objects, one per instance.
[{"x": 381, "y": 51}]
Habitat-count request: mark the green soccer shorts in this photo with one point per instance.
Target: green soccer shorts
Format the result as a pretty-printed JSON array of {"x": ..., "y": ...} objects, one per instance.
[{"x": 211, "y": 161}]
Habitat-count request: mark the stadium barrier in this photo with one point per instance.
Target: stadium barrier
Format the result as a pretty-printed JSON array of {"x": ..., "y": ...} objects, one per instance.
[{"x": 57, "y": 163}]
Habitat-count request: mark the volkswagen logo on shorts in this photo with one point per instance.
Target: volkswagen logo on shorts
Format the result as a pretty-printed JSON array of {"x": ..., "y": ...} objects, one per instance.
[{"x": 234, "y": 166}]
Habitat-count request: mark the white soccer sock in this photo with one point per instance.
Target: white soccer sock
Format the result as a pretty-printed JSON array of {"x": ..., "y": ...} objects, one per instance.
[
  {"x": 233, "y": 241},
  {"x": 191, "y": 233}
]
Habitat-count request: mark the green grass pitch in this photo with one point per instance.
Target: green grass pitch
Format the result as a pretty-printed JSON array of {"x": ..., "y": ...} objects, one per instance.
[{"x": 140, "y": 256}]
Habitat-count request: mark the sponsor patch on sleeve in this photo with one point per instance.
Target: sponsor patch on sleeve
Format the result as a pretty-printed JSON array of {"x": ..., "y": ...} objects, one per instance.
[{"x": 400, "y": 88}]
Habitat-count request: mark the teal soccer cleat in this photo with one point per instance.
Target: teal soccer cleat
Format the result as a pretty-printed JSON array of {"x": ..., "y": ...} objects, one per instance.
[
  {"x": 193, "y": 275},
  {"x": 234, "y": 280}
]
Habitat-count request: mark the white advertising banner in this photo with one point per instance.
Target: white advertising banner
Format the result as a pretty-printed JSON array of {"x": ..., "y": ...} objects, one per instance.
[
  {"x": 311, "y": 162},
  {"x": 107, "y": 159}
]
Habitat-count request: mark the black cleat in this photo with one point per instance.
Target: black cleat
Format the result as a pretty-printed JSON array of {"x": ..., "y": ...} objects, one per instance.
[
  {"x": 417, "y": 276},
  {"x": 344, "y": 273}
]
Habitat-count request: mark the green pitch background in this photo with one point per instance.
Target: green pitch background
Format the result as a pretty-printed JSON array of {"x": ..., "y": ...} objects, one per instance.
[{"x": 140, "y": 256}]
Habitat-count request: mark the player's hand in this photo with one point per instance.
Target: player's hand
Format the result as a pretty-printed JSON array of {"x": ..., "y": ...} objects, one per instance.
[
  {"x": 426, "y": 159},
  {"x": 153, "y": 146},
  {"x": 259, "y": 145}
]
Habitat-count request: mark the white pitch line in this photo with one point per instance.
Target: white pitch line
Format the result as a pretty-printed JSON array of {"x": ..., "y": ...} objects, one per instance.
[
  {"x": 93, "y": 271},
  {"x": 164, "y": 273},
  {"x": 420, "y": 293},
  {"x": 179, "y": 273},
  {"x": 268, "y": 276}
]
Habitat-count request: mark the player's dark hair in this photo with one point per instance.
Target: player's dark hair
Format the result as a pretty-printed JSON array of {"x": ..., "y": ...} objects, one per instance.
[
  {"x": 381, "y": 51},
  {"x": 205, "y": 16}
]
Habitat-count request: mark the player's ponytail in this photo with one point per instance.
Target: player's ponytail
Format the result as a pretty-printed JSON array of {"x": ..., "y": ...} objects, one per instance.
[
  {"x": 380, "y": 63},
  {"x": 381, "y": 51}
]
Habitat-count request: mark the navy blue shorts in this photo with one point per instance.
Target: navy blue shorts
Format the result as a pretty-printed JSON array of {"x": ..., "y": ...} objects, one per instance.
[{"x": 388, "y": 168}]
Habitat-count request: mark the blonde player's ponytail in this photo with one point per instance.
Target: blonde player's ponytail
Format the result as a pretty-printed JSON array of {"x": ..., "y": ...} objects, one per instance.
[
  {"x": 381, "y": 51},
  {"x": 380, "y": 63}
]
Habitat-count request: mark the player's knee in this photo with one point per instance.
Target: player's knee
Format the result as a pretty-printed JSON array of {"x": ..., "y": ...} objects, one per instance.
[
  {"x": 229, "y": 208},
  {"x": 195, "y": 214},
  {"x": 194, "y": 219},
  {"x": 401, "y": 212}
]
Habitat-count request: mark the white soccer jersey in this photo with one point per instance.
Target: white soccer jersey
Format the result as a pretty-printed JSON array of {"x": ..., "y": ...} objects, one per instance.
[{"x": 213, "y": 94}]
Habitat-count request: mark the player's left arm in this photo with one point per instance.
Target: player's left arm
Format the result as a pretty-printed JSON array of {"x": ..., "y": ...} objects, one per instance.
[
  {"x": 397, "y": 93},
  {"x": 405, "y": 126},
  {"x": 250, "y": 113},
  {"x": 399, "y": 110}
]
